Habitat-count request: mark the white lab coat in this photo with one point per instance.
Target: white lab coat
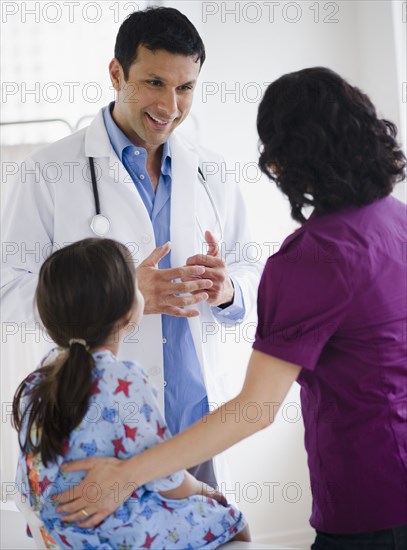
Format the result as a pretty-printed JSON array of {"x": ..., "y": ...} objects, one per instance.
[{"x": 52, "y": 204}]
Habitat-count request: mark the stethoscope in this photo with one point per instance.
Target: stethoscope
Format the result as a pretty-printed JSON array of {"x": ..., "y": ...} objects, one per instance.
[{"x": 100, "y": 224}]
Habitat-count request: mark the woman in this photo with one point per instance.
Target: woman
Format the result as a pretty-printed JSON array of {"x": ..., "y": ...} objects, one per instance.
[{"x": 332, "y": 315}]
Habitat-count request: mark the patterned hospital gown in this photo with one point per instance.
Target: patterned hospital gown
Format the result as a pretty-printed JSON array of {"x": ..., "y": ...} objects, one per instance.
[{"x": 122, "y": 420}]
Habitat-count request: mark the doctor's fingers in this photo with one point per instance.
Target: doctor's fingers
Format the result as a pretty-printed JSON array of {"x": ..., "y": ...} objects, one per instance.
[
  {"x": 184, "y": 301},
  {"x": 189, "y": 287},
  {"x": 206, "y": 260},
  {"x": 180, "y": 312},
  {"x": 213, "y": 274},
  {"x": 184, "y": 272}
]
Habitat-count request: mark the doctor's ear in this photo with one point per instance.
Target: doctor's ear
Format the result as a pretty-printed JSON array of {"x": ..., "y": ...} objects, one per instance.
[{"x": 116, "y": 74}]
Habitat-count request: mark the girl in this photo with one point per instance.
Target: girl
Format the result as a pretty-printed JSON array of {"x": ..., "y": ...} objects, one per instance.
[{"x": 84, "y": 402}]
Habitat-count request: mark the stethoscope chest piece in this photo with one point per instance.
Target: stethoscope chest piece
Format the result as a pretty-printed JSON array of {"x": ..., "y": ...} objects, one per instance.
[{"x": 100, "y": 225}]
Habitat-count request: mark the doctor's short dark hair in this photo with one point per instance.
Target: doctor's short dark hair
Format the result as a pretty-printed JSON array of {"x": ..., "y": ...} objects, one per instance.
[
  {"x": 157, "y": 28},
  {"x": 323, "y": 144}
]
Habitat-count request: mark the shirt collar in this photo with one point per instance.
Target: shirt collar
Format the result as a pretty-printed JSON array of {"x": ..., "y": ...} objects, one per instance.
[
  {"x": 166, "y": 159},
  {"x": 120, "y": 141}
]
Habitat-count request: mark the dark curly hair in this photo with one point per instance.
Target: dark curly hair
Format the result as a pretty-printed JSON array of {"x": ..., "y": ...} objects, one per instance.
[
  {"x": 159, "y": 28},
  {"x": 323, "y": 143}
]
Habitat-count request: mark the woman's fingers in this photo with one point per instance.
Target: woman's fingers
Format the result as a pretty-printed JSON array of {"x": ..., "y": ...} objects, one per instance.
[
  {"x": 98, "y": 495},
  {"x": 74, "y": 493},
  {"x": 75, "y": 501},
  {"x": 81, "y": 465},
  {"x": 92, "y": 521},
  {"x": 71, "y": 495},
  {"x": 78, "y": 516}
]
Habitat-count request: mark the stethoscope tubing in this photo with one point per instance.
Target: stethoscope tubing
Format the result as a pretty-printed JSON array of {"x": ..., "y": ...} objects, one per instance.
[
  {"x": 94, "y": 185},
  {"x": 107, "y": 221}
]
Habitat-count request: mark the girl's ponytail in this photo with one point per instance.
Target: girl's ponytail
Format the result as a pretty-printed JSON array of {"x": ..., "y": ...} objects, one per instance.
[{"x": 56, "y": 404}]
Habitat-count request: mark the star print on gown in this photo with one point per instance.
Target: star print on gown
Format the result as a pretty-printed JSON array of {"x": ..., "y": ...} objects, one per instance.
[
  {"x": 173, "y": 536},
  {"x": 95, "y": 387},
  {"x": 166, "y": 507},
  {"x": 130, "y": 432},
  {"x": 123, "y": 419},
  {"x": 122, "y": 513},
  {"x": 109, "y": 414},
  {"x": 65, "y": 541},
  {"x": 118, "y": 446},
  {"x": 122, "y": 385},
  {"x": 89, "y": 448},
  {"x": 146, "y": 410},
  {"x": 149, "y": 540},
  {"x": 190, "y": 519},
  {"x": 209, "y": 537},
  {"x": 66, "y": 447},
  {"x": 161, "y": 430},
  {"x": 98, "y": 372},
  {"x": 44, "y": 484},
  {"x": 147, "y": 512},
  {"x": 225, "y": 524}
]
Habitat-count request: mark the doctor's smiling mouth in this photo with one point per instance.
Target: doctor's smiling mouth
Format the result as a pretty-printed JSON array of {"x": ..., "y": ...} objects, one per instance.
[{"x": 155, "y": 97}]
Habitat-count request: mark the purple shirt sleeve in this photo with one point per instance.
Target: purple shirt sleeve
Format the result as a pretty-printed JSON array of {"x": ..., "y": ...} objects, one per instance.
[{"x": 303, "y": 297}]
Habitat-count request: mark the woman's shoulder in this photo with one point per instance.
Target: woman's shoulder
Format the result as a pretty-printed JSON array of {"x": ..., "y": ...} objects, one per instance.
[
  {"x": 328, "y": 238},
  {"x": 312, "y": 249},
  {"x": 307, "y": 242}
]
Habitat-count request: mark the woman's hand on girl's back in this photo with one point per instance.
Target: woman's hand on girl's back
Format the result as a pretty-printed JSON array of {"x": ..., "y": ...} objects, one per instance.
[{"x": 104, "y": 489}]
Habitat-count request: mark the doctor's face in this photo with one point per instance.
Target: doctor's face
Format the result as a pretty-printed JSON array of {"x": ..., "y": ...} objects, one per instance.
[{"x": 156, "y": 97}]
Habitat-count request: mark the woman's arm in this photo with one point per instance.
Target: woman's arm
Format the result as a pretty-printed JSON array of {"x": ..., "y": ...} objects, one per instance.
[{"x": 267, "y": 382}]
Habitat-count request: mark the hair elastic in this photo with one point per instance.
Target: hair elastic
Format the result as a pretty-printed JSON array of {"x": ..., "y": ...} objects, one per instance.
[{"x": 78, "y": 341}]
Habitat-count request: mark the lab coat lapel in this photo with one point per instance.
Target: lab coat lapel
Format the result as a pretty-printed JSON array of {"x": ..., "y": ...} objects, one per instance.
[
  {"x": 97, "y": 145},
  {"x": 184, "y": 167}
]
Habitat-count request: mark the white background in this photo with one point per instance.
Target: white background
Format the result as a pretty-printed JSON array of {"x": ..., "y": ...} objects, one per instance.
[{"x": 60, "y": 52}]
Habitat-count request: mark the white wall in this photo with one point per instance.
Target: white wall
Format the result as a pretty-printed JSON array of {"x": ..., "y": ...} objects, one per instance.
[{"x": 242, "y": 56}]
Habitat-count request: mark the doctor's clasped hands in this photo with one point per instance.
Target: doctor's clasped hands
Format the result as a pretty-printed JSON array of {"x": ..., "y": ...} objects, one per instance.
[
  {"x": 171, "y": 291},
  {"x": 164, "y": 296}
]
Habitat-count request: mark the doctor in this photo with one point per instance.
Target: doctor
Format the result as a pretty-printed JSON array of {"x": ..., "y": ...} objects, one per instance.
[{"x": 128, "y": 177}]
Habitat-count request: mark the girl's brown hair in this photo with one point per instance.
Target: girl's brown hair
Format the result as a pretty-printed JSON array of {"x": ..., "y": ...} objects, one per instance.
[{"x": 83, "y": 291}]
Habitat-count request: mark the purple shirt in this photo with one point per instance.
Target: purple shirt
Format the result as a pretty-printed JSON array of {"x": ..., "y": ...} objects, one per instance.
[{"x": 333, "y": 300}]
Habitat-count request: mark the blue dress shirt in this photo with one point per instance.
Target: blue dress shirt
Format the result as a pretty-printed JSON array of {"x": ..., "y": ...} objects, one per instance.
[{"x": 185, "y": 393}]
